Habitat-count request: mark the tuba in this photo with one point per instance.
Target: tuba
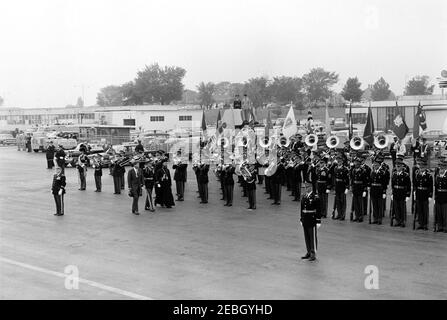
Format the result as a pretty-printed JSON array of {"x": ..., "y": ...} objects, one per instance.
[
  {"x": 381, "y": 141},
  {"x": 332, "y": 142},
  {"x": 311, "y": 140},
  {"x": 357, "y": 143},
  {"x": 271, "y": 169}
]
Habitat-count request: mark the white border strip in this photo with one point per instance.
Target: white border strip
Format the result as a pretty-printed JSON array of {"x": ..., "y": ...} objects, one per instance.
[{"x": 85, "y": 281}]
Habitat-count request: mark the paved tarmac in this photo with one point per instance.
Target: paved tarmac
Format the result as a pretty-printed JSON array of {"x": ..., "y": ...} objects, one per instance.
[{"x": 195, "y": 251}]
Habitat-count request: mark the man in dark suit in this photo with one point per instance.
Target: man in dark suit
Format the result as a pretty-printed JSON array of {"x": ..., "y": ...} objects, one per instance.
[
  {"x": 58, "y": 191},
  {"x": 180, "y": 178},
  {"x": 135, "y": 182}
]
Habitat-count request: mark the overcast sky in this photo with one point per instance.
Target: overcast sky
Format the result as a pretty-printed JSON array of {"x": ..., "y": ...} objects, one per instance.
[{"x": 50, "y": 48}]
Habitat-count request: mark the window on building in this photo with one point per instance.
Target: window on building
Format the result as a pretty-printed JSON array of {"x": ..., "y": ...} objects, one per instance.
[
  {"x": 157, "y": 118},
  {"x": 185, "y": 118},
  {"x": 128, "y": 122}
]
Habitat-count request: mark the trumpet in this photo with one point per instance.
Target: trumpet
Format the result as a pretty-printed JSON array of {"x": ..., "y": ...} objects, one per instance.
[
  {"x": 311, "y": 140},
  {"x": 332, "y": 142},
  {"x": 381, "y": 141},
  {"x": 357, "y": 143}
]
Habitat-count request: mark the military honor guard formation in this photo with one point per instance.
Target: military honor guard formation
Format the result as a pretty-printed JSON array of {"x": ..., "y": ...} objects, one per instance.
[{"x": 310, "y": 170}]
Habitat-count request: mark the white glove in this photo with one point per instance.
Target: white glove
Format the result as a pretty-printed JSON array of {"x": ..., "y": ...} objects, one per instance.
[
  {"x": 301, "y": 223},
  {"x": 346, "y": 191},
  {"x": 60, "y": 192},
  {"x": 158, "y": 185},
  {"x": 434, "y": 201},
  {"x": 384, "y": 196},
  {"x": 327, "y": 191},
  {"x": 391, "y": 197},
  {"x": 364, "y": 194},
  {"x": 318, "y": 225},
  {"x": 414, "y": 194},
  {"x": 407, "y": 198},
  {"x": 429, "y": 199}
]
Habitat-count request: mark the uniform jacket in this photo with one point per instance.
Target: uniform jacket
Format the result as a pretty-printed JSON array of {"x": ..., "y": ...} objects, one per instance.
[
  {"x": 441, "y": 187},
  {"x": 310, "y": 210},
  {"x": 60, "y": 157},
  {"x": 149, "y": 177},
  {"x": 228, "y": 175},
  {"x": 203, "y": 173},
  {"x": 323, "y": 179},
  {"x": 180, "y": 171},
  {"x": 423, "y": 184},
  {"x": 401, "y": 184},
  {"x": 279, "y": 176},
  {"x": 341, "y": 179},
  {"x": 378, "y": 181},
  {"x": 59, "y": 182},
  {"x": 359, "y": 180},
  {"x": 135, "y": 181},
  {"x": 50, "y": 152}
]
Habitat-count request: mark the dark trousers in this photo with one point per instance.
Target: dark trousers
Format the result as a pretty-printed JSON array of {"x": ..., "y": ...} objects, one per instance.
[
  {"x": 268, "y": 185},
  {"x": 252, "y": 198},
  {"x": 59, "y": 200},
  {"x": 117, "y": 184},
  {"x": 50, "y": 163},
  {"x": 149, "y": 201},
  {"x": 276, "y": 192},
  {"x": 229, "y": 188},
  {"x": 365, "y": 204},
  {"x": 180, "y": 187},
  {"x": 422, "y": 212},
  {"x": 122, "y": 184},
  {"x": 357, "y": 203},
  {"x": 323, "y": 200},
  {"x": 393, "y": 158},
  {"x": 82, "y": 180},
  {"x": 298, "y": 191},
  {"x": 260, "y": 179},
  {"x": 309, "y": 238},
  {"x": 377, "y": 208},
  {"x": 135, "y": 196},
  {"x": 98, "y": 182},
  {"x": 222, "y": 187},
  {"x": 441, "y": 216},
  {"x": 340, "y": 204},
  {"x": 203, "y": 191},
  {"x": 400, "y": 210}
]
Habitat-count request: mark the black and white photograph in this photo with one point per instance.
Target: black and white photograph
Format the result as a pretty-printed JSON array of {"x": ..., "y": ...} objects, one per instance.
[{"x": 229, "y": 151}]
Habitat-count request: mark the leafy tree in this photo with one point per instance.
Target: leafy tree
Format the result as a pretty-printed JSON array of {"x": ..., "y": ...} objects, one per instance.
[
  {"x": 285, "y": 89},
  {"x": 80, "y": 102},
  {"x": 110, "y": 96},
  {"x": 419, "y": 86},
  {"x": 1, "y": 101},
  {"x": 206, "y": 91},
  {"x": 317, "y": 84},
  {"x": 160, "y": 85},
  {"x": 380, "y": 90},
  {"x": 351, "y": 90},
  {"x": 129, "y": 94},
  {"x": 257, "y": 90}
]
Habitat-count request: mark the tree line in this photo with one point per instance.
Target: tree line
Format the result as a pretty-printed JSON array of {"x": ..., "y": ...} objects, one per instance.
[{"x": 164, "y": 85}]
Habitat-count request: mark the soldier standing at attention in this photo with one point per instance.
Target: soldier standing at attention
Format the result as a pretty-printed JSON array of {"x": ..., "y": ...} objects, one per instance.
[
  {"x": 180, "y": 177},
  {"x": 379, "y": 182},
  {"x": 341, "y": 173},
  {"x": 359, "y": 185},
  {"x": 323, "y": 178},
  {"x": 228, "y": 170},
  {"x": 441, "y": 198},
  {"x": 98, "y": 173},
  {"x": 58, "y": 191},
  {"x": 203, "y": 182},
  {"x": 50, "y": 155},
  {"x": 423, "y": 193},
  {"x": 251, "y": 187},
  {"x": 401, "y": 186},
  {"x": 367, "y": 170},
  {"x": 60, "y": 157},
  {"x": 310, "y": 221}
]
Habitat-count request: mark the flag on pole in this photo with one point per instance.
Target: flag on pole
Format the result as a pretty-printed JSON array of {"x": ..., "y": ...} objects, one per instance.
[
  {"x": 399, "y": 128},
  {"x": 328, "y": 123},
  {"x": 351, "y": 131},
  {"x": 309, "y": 122},
  {"x": 368, "y": 133},
  {"x": 289, "y": 128}
]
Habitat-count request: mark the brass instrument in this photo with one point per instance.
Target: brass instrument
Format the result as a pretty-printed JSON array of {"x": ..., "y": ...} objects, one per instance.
[
  {"x": 381, "y": 141},
  {"x": 311, "y": 140},
  {"x": 357, "y": 143},
  {"x": 271, "y": 169},
  {"x": 332, "y": 142}
]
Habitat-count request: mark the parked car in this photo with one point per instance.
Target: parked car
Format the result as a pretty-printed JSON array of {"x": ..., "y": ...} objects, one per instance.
[{"x": 7, "y": 139}]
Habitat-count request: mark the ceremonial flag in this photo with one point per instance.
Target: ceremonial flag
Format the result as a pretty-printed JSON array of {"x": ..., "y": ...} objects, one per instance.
[
  {"x": 351, "y": 131},
  {"x": 268, "y": 125},
  {"x": 309, "y": 122},
  {"x": 399, "y": 128},
  {"x": 369, "y": 128},
  {"x": 289, "y": 128},
  {"x": 328, "y": 123}
]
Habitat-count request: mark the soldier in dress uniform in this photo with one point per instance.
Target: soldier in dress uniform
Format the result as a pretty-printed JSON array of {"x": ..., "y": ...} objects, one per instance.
[
  {"x": 98, "y": 173},
  {"x": 203, "y": 170},
  {"x": 378, "y": 185},
  {"x": 323, "y": 183},
  {"x": 251, "y": 187},
  {"x": 310, "y": 220},
  {"x": 180, "y": 177},
  {"x": 368, "y": 175},
  {"x": 423, "y": 193},
  {"x": 341, "y": 184},
  {"x": 298, "y": 170},
  {"x": 277, "y": 180},
  {"x": 228, "y": 170},
  {"x": 58, "y": 190},
  {"x": 149, "y": 181},
  {"x": 401, "y": 186},
  {"x": 60, "y": 157},
  {"x": 50, "y": 155},
  {"x": 441, "y": 198},
  {"x": 82, "y": 169},
  {"x": 359, "y": 184}
]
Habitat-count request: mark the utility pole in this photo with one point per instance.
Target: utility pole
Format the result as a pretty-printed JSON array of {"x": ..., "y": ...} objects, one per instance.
[{"x": 83, "y": 87}]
